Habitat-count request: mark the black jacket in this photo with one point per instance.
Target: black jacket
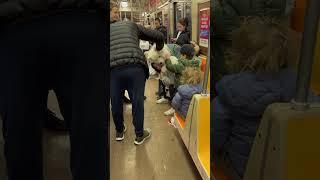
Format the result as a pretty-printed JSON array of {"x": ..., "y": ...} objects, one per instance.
[
  {"x": 184, "y": 38},
  {"x": 124, "y": 44},
  {"x": 163, "y": 30},
  {"x": 11, "y": 10}
]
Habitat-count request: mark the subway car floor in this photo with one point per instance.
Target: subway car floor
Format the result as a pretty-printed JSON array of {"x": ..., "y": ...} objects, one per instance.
[{"x": 163, "y": 156}]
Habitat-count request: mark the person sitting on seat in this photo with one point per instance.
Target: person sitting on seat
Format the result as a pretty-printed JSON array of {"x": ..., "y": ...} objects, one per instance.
[
  {"x": 188, "y": 59},
  {"x": 182, "y": 35},
  {"x": 262, "y": 57},
  {"x": 191, "y": 80}
]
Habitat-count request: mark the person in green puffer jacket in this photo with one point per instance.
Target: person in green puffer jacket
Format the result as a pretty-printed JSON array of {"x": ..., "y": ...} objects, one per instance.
[{"x": 187, "y": 59}]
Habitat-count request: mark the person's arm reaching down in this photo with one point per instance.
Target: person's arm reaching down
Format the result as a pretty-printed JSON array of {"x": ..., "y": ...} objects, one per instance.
[
  {"x": 176, "y": 68},
  {"x": 151, "y": 35}
]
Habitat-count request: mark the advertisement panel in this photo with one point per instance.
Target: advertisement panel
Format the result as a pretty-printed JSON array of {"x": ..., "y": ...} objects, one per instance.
[{"x": 204, "y": 27}]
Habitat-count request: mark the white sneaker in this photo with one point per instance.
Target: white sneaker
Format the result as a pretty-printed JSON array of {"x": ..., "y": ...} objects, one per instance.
[
  {"x": 170, "y": 112},
  {"x": 172, "y": 123},
  {"x": 162, "y": 101}
]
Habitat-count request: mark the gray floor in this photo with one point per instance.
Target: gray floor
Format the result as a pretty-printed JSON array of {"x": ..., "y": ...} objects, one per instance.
[{"x": 163, "y": 156}]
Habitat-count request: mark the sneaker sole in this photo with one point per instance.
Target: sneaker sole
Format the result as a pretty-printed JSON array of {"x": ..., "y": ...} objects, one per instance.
[
  {"x": 139, "y": 143},
  {"x": 122, "y": 138},
  {"x": 168, "y": 114},
  {"x": 162, "y": 102}
]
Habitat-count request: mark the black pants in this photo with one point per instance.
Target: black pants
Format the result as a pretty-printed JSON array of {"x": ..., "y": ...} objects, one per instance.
[
  {"x": 162, "y": 89},
  {"x": 172, "y": 92},
  {"x": 68, "y": 52},
  {"x": 131, "y": 78}
]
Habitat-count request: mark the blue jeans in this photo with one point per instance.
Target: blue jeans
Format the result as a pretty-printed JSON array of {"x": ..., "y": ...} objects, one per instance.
[{"x": 131, "y": 78}]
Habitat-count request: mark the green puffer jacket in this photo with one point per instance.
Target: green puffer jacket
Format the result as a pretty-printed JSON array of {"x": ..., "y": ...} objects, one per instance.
[{"x": 182, "y": 64}]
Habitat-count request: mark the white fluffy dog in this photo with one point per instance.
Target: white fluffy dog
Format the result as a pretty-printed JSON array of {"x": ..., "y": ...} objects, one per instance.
[{"x": 159, "y": 57}]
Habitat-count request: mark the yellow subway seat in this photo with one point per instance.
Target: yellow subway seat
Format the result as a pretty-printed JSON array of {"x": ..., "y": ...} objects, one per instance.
[
  {"x": 203, "y": 131},
  {"x": 303, "y": 130}
]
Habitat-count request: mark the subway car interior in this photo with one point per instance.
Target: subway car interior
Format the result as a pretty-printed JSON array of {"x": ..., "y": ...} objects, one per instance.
[
  {"x": 286, "y": 142},
  {"x": 179, "y": 147}
]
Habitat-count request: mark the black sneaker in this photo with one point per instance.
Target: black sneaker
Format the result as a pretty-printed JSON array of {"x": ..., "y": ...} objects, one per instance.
[
  {"x": 146, "y": 135},
  {"x": 120, "y": 135}
]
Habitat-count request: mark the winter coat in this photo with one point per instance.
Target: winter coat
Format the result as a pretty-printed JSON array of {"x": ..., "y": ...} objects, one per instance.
[
  {"x": 238, "y": 108},
  {"x": 182, "y": 63},
  {"x": 184, "y": 38},
  {"x": 124, "y": 44},
  {"x": 183, "y": 97}
]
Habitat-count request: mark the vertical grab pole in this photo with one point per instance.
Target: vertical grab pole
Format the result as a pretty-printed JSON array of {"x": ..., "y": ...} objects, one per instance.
[
  {"x": 206, "y": 75},
  {"x": 307, "y": 54},
  {"x": 169, "y": 22}
]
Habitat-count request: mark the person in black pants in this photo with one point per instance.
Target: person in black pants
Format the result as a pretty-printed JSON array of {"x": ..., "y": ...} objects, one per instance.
[
  {"x": 51, "y": 122},
  {"x": 161, "y": 87},
  {"x": 129, "y": 71},
  {"x": 65, "y": 48}
]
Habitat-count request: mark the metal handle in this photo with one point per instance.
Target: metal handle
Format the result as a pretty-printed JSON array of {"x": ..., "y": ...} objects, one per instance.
[{"x": 307, "y": 54}]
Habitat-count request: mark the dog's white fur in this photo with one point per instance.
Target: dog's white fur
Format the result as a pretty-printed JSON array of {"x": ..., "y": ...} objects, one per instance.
[{"x": 159, "y": 57}]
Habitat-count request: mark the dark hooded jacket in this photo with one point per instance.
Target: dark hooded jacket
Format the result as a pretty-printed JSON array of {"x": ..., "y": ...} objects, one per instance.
[{"x": 238, "y": 109}]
